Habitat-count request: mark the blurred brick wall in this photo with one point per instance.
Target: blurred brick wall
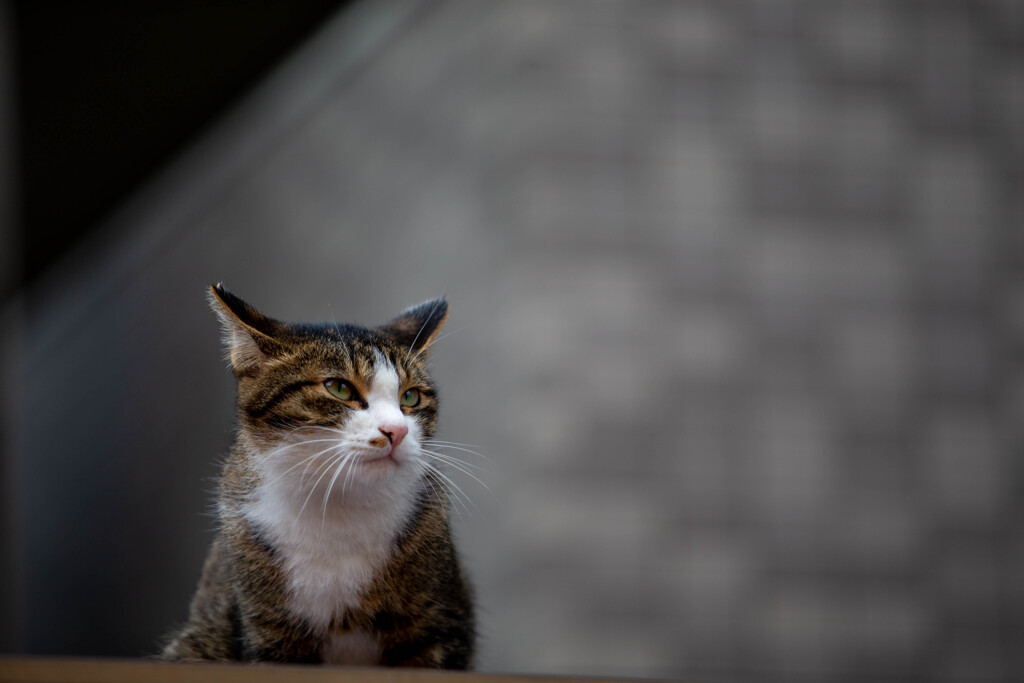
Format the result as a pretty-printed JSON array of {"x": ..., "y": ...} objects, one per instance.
[{"x": 764, "y": 261}]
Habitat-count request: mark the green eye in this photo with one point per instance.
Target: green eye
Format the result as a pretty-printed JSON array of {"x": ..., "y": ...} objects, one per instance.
[
  {"x": 339, "y": 388},
  {"x": 410, "y": 398}
]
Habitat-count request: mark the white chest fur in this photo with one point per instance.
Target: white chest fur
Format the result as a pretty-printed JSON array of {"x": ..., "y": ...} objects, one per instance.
[{"x": 329, "y": 557}]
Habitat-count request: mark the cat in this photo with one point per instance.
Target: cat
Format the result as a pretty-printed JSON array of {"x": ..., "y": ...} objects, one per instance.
[{"x": 333, "y": 544}]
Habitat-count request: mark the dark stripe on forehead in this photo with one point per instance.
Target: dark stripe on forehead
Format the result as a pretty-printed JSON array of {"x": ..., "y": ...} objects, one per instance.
[
  {"x": 261, "y": 408},
  {"x": 350, "y": 354},
  {"x": 365, "y": 363}
]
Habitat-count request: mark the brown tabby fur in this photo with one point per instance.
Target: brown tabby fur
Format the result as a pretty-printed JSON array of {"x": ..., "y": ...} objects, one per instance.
[{"x": 418, "y": 605}]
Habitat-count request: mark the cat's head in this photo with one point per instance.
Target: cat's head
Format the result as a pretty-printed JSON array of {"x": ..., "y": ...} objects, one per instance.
[{"x": 323, "y": 402}]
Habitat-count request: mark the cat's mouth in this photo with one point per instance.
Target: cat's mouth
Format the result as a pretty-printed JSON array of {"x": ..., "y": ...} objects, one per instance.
[{"x": 384, "y": 457}]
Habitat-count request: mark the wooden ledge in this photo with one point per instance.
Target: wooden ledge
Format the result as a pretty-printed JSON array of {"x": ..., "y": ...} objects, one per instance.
[{"x": 20, "y": 669}]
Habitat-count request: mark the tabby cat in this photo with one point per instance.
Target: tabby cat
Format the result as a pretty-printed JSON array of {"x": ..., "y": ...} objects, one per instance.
[{"x": 333, "y": 543}]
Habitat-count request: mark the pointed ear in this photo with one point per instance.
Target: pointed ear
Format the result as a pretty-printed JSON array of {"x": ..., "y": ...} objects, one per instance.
[
  {"x": 417, "y": 328},
  {"x": 250, "y": 338}
]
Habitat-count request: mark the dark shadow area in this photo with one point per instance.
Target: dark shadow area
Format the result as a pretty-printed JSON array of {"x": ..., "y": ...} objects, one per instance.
[{"x": 107, "y": 92}]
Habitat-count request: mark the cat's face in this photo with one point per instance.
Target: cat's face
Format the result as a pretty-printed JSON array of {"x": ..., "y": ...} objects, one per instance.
[{"x": 328, "y": 410}]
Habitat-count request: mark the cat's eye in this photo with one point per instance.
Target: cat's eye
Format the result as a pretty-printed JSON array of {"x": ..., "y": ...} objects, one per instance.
[
  {"x": 410, "y": 398},
  {"x": 339, "y": 388}
]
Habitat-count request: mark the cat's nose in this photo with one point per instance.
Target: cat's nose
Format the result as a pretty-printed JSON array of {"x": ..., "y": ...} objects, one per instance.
[{"x": 395, "y": 433}]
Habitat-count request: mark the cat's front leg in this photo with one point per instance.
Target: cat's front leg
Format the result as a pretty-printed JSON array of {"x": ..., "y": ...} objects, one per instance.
[
  {"x": 267, "y": 631},
  {"x": 426, "y": 646},
  {"x": 268, "y": 635}
]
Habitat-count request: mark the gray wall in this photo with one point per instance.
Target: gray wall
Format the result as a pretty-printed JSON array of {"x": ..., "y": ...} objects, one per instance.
[{"x": 737, "y": 311}]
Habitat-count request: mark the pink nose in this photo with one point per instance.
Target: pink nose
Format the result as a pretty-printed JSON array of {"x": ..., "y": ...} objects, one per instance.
[{"x": 395, "y": 433}]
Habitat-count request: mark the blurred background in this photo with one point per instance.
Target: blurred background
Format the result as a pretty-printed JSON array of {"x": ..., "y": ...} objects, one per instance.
[{"x": 737, "y": 311}]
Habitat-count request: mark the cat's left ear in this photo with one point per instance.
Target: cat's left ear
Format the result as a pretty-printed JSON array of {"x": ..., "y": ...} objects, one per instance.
[{"x": 417, "y": 328}]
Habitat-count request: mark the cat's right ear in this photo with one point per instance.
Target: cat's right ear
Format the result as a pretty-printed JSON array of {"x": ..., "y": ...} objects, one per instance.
[
  {"x": 250, "y": 338},
  {"x": 418, "y": 327}
]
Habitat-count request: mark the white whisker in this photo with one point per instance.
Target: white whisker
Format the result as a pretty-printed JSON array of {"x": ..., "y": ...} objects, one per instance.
[
  {"x": 325, "y": 464},
  {"x": 457, "y": 448},
  {"x": 345, "y": 464},
  {"x": 327, "y": 492},
  {"x": 307, "y": 460},
  {"x": 456, "y": 493},
  {"x": 331, "y": 460},
  {"x": 459, "y": 465},
  {"x": 461, "y": 447},
  {"x": 281, "y": 449},
  {"x": 349, "y": 476},
  {"x": 441, "y": 497},
  {"x": 333, "y": 430},
  {"x": 454, "y": 443},
  {"x": 437, "y": 479},
  {"x": 337, "y": 328}
]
